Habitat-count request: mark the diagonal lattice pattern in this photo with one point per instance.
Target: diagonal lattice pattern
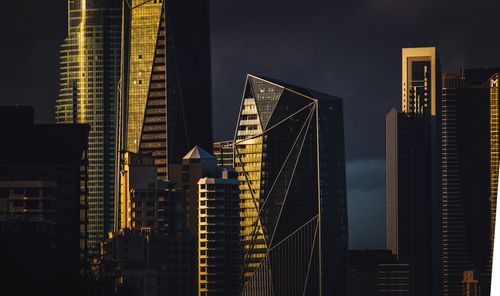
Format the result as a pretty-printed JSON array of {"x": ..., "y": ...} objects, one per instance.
[{"x": 287, "y": 181}]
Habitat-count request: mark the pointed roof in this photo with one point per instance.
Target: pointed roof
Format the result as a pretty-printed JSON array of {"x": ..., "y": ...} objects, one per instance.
[{"x": 198, "y": 153}]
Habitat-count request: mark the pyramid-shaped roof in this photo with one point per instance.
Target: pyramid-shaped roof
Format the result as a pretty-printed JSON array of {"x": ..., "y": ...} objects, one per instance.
[{"x": 198, "y": 153}]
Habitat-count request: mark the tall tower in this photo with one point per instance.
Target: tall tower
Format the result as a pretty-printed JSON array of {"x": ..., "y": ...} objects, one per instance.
[
  {"x": 289, "y": 155},
  {"x": 413, "y": 170},
  {"x": 470, "y": 174},
  {"x": 89, "y": 74},
  {"x": 166, "y": 105}
]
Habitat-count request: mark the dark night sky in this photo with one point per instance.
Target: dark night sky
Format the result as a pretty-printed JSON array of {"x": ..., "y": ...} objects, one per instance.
[{"x": 347, "y": 48}]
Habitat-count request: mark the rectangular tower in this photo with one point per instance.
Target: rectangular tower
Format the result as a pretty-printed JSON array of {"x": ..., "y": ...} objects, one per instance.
[
  {"x": 470, "y": 170},
  {"x": 89, "y": 75},
  {"x": 219, "y": 252},
  {"x": 413, "y": 170},
  {"x": 166, "y": 103}
]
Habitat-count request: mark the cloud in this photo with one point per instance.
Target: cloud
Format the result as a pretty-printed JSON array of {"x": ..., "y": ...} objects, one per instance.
[{"x": 366, "y": 203}]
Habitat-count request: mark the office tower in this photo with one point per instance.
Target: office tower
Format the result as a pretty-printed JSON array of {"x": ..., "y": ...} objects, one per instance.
[
  {"x": 413, "y": 170},
  {"x": 224, "y": 152},
  {"x": 165, "y": 107},
  {"x": 89, "y": 74},
  {"x": 469, "y": 181},
  {"x": 43, "y": 178},
  {"x": 377, "y": 272},
  {"x": 289, "y": 154},
  {"x": 219, "y": 250}
]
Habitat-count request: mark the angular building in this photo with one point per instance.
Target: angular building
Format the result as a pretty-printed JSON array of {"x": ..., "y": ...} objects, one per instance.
[
  {"x": 413, "y": 170},
  {"x": 219, "y": 250},
  {"x": 469, "y": 181},
  {"x": 165, "y": 104},
  {"x": 89, "y": 75},
  {"x": 289, "y": 155}
]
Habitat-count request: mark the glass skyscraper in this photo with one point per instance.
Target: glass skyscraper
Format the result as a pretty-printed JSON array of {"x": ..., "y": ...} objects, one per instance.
[
  {"x": 166, "y": 105},
  {"x": 470, "y": 178},
  {"x": 89, "y": 75},
  {"x": 289, "y": 155},
  {"x": 413, "y": 170}
]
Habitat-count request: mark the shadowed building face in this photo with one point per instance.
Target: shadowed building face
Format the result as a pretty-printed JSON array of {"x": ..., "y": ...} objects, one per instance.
[{"x": 289, "y": 152}]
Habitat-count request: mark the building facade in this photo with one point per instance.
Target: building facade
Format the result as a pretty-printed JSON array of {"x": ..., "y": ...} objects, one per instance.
[
  {"x": 89, "y": 75},
  {"x": 288, "y": 200},
  {"x": 224, "y": 152},
  {"x": 219, "y": 250},
  {"x": 413, "y": 170},
  {"x": 377, "y": 272},
  {"x": 196, "y": 164},
  {"x": 153, "y": 215},
  {"x": 470, "y": 171},
  {"x": 165, "y": 104}
]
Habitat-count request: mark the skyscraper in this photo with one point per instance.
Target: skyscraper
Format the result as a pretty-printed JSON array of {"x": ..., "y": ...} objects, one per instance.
[
  {"x": 413, "y": 170},
  {"x": 289, "y": 153},
  {"x": 470, "y": 172},
  {"x": 166, "y": 106},
  {"x": 89, "y": 74}
]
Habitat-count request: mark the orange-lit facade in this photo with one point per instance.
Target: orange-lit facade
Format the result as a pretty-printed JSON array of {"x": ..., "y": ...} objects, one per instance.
[
  {"x": 89, "y": 76},
  {"x": 292, "y": 190}
]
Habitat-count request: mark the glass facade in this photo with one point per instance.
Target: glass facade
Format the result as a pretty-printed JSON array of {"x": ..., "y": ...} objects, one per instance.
[
  {"x": 413, "y": 173},
  {"x": 293, "y": 210},
  {"x": 166, "y": 95},
  {"x": 89, "y": 75},
  {"x": 145, "y": 18}
]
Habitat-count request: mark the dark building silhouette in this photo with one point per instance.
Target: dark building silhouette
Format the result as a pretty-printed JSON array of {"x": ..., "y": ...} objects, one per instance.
[
  {"x": 377, "y": 273},
  {"x": 413, "y": 171},
  {"x": 470, "y": 174},
  {"x": 153, "y": 251},
  {"x": 43, "y": 196},
  {"x": 289, "y": 153}
]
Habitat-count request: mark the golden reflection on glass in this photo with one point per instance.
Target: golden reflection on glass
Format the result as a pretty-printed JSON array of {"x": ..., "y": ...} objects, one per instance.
[{"x": 145, "y": 21}]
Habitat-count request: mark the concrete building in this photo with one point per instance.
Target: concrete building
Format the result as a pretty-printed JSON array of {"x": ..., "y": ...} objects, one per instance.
[
  {"x": 219, "y": 249},
  {"x": 224, "y": 152}
]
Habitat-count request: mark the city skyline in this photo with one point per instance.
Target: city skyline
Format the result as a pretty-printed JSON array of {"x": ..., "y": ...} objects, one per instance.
[
  {"x": 323, "y": 52},
  {"x": 161, "y": 172}
]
